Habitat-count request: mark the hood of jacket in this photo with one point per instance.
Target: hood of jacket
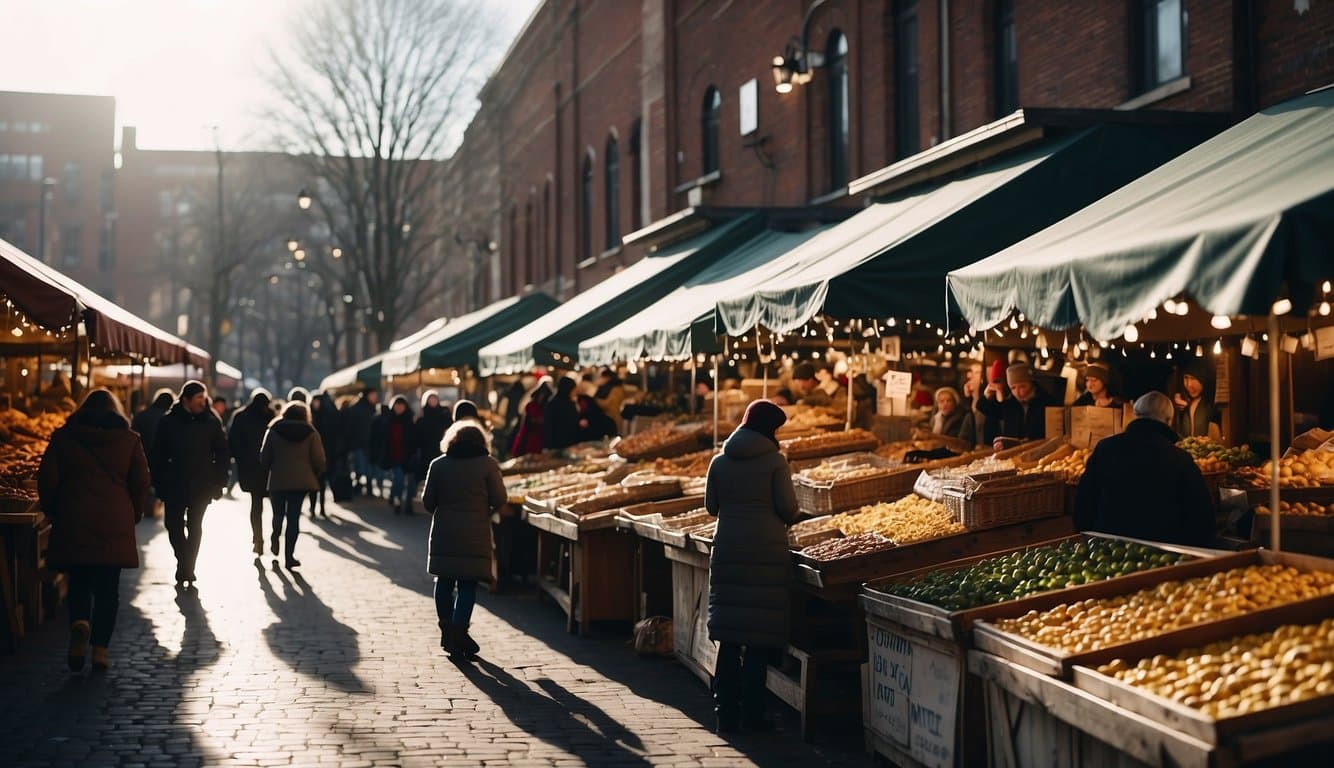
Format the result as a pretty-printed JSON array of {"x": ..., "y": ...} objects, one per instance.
[
  {"x": 291, "y": 430},
  {"x": 97, "y": 426},
  {"x": 746, "y": 443},
  {"x": 1152, "y": 427}
]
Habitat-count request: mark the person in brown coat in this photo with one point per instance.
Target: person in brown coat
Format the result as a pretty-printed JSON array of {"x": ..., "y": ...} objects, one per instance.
[
  {"x": 463, "y": 488},
  {"x": 93, "y": 484},
  {"x": 292, "y": 460}
]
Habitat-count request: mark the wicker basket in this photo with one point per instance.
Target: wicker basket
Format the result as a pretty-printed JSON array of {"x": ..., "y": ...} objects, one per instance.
[
  {"x": 817, "y": 499},
  {"x": 678, "y": 443},
  {"x": 1007, "y": 500}
]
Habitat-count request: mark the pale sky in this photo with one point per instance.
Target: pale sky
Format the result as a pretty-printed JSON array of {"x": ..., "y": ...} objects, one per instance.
[{"x": 175, "y": 67}]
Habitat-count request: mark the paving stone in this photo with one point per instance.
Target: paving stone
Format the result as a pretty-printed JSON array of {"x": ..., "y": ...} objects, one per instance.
[{"x": 340, "y": 665}]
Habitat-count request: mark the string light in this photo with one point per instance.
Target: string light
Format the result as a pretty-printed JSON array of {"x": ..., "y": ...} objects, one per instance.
[
  {"x": 1218, "y": 347},
  {"x": 1221, "y": 322}
]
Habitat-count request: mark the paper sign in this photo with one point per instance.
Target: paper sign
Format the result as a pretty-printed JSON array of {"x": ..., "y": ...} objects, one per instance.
[
  {"x": 891, "y": 347},
  {"x": 748, "y": 96},
  {"x": 1324, "y": 343},
  {"x": 914, "y": 692},
  {"x": 897, "y": 384}
]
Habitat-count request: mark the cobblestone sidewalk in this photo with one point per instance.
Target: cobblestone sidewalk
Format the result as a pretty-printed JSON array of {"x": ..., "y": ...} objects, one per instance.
[{"x": 340, "y": 665}]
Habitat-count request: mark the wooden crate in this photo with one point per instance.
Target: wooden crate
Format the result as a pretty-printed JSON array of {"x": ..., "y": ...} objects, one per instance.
[
  {"x": 922, "y": 554},
  {"x": 1059, "y": 663},
  {"x": 1307, "y": 534}
]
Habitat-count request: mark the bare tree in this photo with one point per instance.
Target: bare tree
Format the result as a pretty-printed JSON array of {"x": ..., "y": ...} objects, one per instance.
[{"x": 371, "y": 97}]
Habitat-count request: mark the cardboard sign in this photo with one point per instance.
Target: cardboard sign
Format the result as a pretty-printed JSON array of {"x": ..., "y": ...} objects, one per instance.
[
  {"x": 1222, "y": 381},
  {"x": 1089, "y": 424},
  {"x": 914, "y": 694},
  {"x": 1057, "y": 422},
  {"x": 891, "y": 347},
  {"x": 1324, "y": 343}
]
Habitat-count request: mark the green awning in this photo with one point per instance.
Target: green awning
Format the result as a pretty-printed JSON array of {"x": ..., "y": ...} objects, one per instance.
[
  {"x": 662, "y": 331},
  {"x": 1234, "y": 224},
  {"x": 891, "y": 259},
  {"x": 369, "y": 372},
  {"x": 456, "y": 343},
  {"x": 553, "y": 339}
]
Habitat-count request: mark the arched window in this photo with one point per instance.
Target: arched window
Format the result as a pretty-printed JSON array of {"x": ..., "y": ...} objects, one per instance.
[
  {"x": 712, "y": 112},
  {"x": 1007, "y": 60},
  {"x": 586, "y": 209},
  {"x": 636, "y": 176},
  {"x": 840, "y": 121},
  {"x": 611, "y": 188}
]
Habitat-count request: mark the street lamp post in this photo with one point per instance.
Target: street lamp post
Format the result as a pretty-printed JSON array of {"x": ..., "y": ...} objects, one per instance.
[{"x": 43, "y": 194}]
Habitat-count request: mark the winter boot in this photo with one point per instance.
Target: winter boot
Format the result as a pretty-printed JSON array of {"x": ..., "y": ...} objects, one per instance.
[
  {"x": 466, "y": 644},
  {"x": 448, "y": 634},
  {"x": 79, "y": 632},
  {"x": 101, "y": 659}
]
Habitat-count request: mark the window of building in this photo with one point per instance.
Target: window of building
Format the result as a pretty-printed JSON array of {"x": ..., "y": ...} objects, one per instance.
[
  {"x": 106, "y": 258},
  {"x": 907, "y": 117},
  {"x": 516, "y": 280},
  {"x": 529, "y": 256},
  {"x": 71, "y": 181},
  {"x": 1007, "y": 60},
  {"x": 586, "y": 209},
  {"x": 35, "y": 168},
  {"x": 71, "y": 247},
  {"x": 636, "y": 176},
  {"x": 1164, "y": 43},
  {"x": 840, "y": 121},
  {"x": 548, "y": 253},
  {"x": 106, "y": 191},
  {"x": 612, "y": 190},
  {"x": 710, "y": 116}
]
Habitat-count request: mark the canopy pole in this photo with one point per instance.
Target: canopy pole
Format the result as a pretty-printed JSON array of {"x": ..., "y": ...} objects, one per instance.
[
  {"x": 1274, "y": 516},
  {"x": 765, "y": 367},
  {"x": 694, "y": 379},
  {"x": 716, "y": 398},
  {"x": 851, "y": 350}
]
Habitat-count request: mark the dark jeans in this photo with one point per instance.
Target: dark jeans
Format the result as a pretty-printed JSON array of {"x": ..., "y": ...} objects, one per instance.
[
  {"x": 738, "y": 680},
  {"x": 287, "y": 506},
  {"x": 94, "y": 595},
  {"x": 185, "y": 526},
  {"x": 319, "y": 495},
  {"x": 257, "y": 520},
  {"x": 455, "y": 609}
]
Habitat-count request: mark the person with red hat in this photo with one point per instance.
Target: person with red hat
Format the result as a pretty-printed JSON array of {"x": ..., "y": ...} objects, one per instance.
[
  {"x": 749, "y": 489},
  {"x": 1022, "y": 415}
]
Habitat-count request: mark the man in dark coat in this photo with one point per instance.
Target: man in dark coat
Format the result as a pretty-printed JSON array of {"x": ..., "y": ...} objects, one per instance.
[
  {"x": 189, "y": 464},
  {"x": 560, "y": 419},
  {"x": 324, "y": 416},
  {"x": 431, "y": 427},
  {"x": 749, "y": 489},
  {"x": 1023, "y": 414},
  {"x": 1140, "y": 484},
  {"x": 145, "y": 423},
  {"x": 357, "y": 436},
  {"x": 244, "y": 438}
]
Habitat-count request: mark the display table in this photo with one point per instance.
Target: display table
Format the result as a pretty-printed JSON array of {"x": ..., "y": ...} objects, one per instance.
[
  {"x": 23, "y": 538},
  {"x": 584, "y": 566}
]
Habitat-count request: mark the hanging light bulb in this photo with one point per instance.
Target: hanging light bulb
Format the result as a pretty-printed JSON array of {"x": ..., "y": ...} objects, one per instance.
[
  {"x": 1014, "y": 324},
  {"x": 1130, "y": 334},
  {"x": 1218, "y": 347},
  {"x": 1182, "y": 308},
  {"x": 1045, "y": 354},
  {"x": 1065, "y": 343},
  {"x": 1153, "y": 355},
  {"x": 1324, "y": 309},
  {"x": 1167, "y": 356},
  {"x": 1084, "y": 344},
  {"x": 1153, "y": 313},
  {"x": 1324, "y": 287},
  {"x": 1199, "y": 350},
  {"x": 1281, "y": 307},
  {"x": 1170, "y": 306},
  {"x": 1221, "y": 322}
]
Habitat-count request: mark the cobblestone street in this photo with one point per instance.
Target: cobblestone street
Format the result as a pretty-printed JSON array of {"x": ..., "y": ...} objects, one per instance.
[{"x": 340, "y": 664}]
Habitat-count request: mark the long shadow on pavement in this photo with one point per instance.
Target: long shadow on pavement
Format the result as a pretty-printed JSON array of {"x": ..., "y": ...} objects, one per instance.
[
  {"x": 558, "y": 720},
  {"x": 130, "y": 713},
  {"x": 306, "y": 634}
]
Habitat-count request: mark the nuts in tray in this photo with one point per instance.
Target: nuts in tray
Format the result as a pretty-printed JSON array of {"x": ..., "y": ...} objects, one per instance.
[
  {"x": 1300, "y": 509},
  {"x": 844, "y": 470},
  {"x": 1071, "y": 466},
  {"x": 1242, "y": 674},
  {"x": 910, "y": 519},
  {"x": 690, "y": 465},
  {"x": 829, "y": 441},
  {"x": 1089, "y": 625},
  {"x": 852, "y": 546},
  {"x": 682, "y": 522}
]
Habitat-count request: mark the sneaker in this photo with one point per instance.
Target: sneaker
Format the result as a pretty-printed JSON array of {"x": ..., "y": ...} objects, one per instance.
[
  {"x": 273, "y": 544},
  {"x": 292, "y": 562},
  {"x": 79, "y": 632},
  {"x": 100, "y": 658}
]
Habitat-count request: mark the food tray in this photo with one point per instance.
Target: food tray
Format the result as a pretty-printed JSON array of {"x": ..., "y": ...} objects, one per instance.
[
  {"x": 623, "y": 496},
  {"x": 819, "y": 446},
  {"x": 956, "y": 626},
  {"x": 1189, "y": 720},
  {"x": 931, "y": 552},
  {"x": 674, "y": 442},
  {"x": 1008, "y": 500},
  {"x": 1060, "y": 663}
]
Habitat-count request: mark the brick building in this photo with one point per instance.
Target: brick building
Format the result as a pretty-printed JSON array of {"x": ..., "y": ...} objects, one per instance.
[
  {"x": 606, "y": 117},
  {"x": 60, "y": 146}
]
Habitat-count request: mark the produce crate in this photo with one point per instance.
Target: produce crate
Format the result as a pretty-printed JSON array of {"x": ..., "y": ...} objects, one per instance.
[
  {"x": 1059, "y": 663},
  {"x": 675, "y": 442},
  {"x": 621, "y": 496},
  {"x": 827, "y": 445},
  {"x": 1009, "y": 500},
  {"x": 816, "y": 497},
  {"x": 1307, "y": 534}
]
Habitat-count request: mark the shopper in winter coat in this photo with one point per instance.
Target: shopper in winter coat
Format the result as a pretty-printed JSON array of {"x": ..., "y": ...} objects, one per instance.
[
  {"x": 357, "y": 437},
  {"x": 396, "y": 441},
  {"x": 463, "y": 488},
  {"x": 593, "y": 423},
  {"x": 467, "y": 409},
  {"x": 529, "y": 438},
  {"x": 610, "y": 396},
  {"x": 189, "y": 464},
  {"x": 324, "y": 417},
  {"x": 93, "y": 484},
  {"x": 952, "y": 419},
  {"x": 560, "y": 420},
  {"x": 292, "y": 459},
  {"x": 145, "y": 423},
  {"x": 749, "y": 489},
  {"x": 1140, "y": 484},
  {"x": 431, "y": 427},
  {"x": 245, "y": 436},
  {"x": 1023, "y": 414}
]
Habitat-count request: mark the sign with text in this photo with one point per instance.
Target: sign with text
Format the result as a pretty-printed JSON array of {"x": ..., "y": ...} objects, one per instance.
[{"x": 914, "y": 695}]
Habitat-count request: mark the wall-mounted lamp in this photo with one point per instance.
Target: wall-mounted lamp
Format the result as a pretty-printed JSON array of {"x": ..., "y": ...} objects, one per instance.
[
  {"x": 303, "y": 199},
  {"x": 795, "y": 65}
]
